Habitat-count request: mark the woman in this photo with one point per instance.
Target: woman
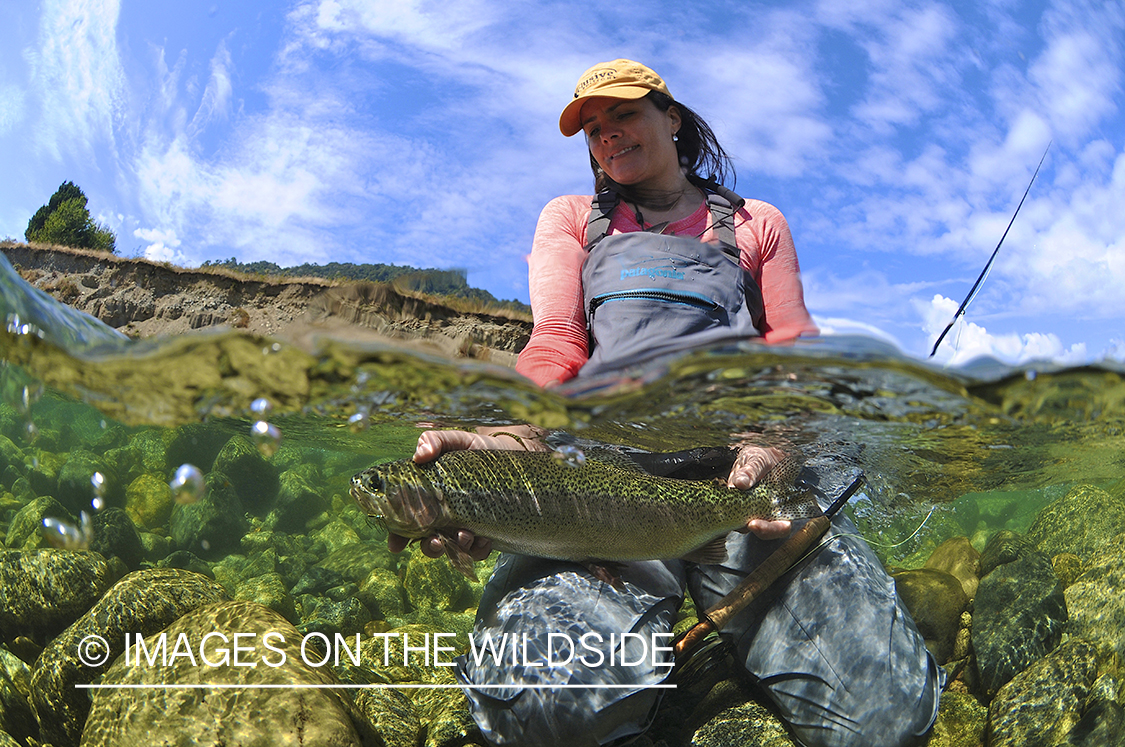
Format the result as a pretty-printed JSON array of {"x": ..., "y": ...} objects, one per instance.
[{"x": 660, "y": 261}]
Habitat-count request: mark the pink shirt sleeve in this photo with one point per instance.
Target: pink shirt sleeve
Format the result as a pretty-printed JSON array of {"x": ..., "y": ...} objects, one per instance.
[{"x": 558, "y": 344}]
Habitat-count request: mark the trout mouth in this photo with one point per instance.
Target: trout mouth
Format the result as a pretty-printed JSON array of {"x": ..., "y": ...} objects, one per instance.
[{"x": 404, "y": 509}]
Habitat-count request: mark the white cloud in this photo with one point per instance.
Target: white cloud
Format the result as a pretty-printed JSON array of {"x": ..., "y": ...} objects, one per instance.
[
  {"x": 78, "y": 75},
  {"x": 968, "y": 340},
  {"x": 163, "y": 246},
  {"x": 12, "y": 102}
]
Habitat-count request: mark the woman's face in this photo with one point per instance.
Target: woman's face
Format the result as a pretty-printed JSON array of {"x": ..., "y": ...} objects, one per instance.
[{"x": 631, "y": 140}]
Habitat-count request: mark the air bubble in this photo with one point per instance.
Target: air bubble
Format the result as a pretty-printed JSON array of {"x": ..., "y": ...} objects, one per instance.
[
  {"x": 266, "y": 437},
  {"x": 359, "y": 422},
  {"x": 66, "y": 536},
  {"x": 261, "y": 407},
  {"x": 570, "y": 455},
  {"x": 187, "y": 484},
  {"x": 1030, "y": 374},
  {"x": 97, "y": 481}
]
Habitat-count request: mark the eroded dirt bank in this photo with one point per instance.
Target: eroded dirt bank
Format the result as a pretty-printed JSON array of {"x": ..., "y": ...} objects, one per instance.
[{"x": 143, "y": 298}]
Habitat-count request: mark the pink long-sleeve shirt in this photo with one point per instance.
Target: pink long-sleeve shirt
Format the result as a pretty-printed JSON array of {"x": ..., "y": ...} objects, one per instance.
[{"x": 558, "y": 344}]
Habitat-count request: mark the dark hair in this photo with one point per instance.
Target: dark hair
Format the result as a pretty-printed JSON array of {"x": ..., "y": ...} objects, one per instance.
[{"x": 701, "y": 156}]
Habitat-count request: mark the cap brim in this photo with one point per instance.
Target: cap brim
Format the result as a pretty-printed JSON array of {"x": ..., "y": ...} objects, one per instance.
[{"x": 570, "y": 120}]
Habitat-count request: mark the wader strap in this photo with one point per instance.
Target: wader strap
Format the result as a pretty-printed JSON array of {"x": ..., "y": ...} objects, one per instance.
[
  {"x": 601, "y": 211},
  {"x": 722, "y": 203}
]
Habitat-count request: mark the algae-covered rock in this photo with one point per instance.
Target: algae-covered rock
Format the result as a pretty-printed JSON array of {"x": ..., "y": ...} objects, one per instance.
[
  {"x": 1018, "y": 616},
  {"x": 75, "y": 488},
  {"x": 960, "y": 722},
  {"x": 43, "y": 591},
  {"x": 198, "y": 444},
  {"x": 16, "y": 716},
  {"x": 356, "y": 561},
  {"x": 251, "y": 716},
  {"x": 391, "y": 715},
  {"x": 957, "y": 557},
  {"x": 432, "y": 582},
  {"x": 336, "y": 535},
  {"x": 212, "y": 525},
  {"x": 26, "y": 529},
  {"x": 1084, "y": 521},
  {"x": 148, "y": 501},
  {"x": 297, "y": 502},
  {"x": 1096, "y": 601},
  {"x": 269, "y": 590},
  {"x": 115, "y": 536},
  {"x": 1003, "y": 547},
  {"x": 1043, "y": 704},
  {"x": 936, "y": 600},
  {"x": 381, "y": 592},
  {"x": 748, "y": 723},
  {"x": 345, "y": 616},
  {"x": 254, "y": 479},
  {"x": 142, "y": 602},
  {"x": 1068, "y": 567}
]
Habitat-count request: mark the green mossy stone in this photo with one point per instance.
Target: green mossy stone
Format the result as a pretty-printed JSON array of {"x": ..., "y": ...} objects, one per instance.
[
  {"x": 213, "y": 525},
  {"x": 1043, "y": 704},
  {"x": 391, "y": 715},
  {"x": 381, "y": 592},
  {"x": 1096, "y": 600},
  {"x": 748, "y": 723},
  {"x": 269, "y": 590},
  {"x": 254, "y": 478},
  {"x": 16, "y": 717},
  {"x": 357, "y": 560},
  {"x": 957, "y": 557},
  {"x": 1084, "y": 521},
  {"x": 75, "y": 489},
  {"x": 433, "y": 582},
  {"x": 44, "y": 591},
  {"x": 935, "y": 600},
  {"x": 336, "y": 535},
  {"x": 148, "y": 501},
  {"x": 297, "y": 503},
  {"x": 961, "y": 722},
  {"x": 315, "y": 716},
  {"x": 142, "y": 602},
  {"x": 26, "y": 530}
]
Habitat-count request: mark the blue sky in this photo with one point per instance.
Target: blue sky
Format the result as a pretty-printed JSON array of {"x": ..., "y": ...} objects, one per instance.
[{"x": 897, "y": 137}]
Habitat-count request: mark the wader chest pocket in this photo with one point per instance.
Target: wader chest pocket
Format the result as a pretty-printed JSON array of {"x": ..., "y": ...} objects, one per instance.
[{"x": 674, "y": 313}]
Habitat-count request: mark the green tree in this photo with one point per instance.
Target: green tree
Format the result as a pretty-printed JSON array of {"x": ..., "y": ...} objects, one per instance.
[{"x": 66, "y": 220}]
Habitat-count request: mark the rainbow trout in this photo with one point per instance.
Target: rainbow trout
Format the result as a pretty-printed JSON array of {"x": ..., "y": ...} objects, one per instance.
[{"x": 533, "y": 503}]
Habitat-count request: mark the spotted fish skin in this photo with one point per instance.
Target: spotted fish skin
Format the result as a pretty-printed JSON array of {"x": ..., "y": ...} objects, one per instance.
[{"x": 532, "y": 503}]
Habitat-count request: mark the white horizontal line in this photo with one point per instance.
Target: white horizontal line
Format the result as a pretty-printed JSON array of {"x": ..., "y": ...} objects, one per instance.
[{"x": 228, "y": 686}]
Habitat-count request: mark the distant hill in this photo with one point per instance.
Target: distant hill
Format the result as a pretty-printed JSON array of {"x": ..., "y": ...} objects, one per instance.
[{"x": 429, "y": 281}]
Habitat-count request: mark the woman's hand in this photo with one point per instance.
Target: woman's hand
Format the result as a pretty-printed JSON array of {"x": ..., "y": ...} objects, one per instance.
[
  {"x": 433, "y": 444},
  {"x": 752, "y": 464}
]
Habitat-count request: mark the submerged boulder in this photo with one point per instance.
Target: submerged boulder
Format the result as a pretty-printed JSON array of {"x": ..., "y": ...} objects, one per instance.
[
  {"x": 44, "y": 591},
  {"x": 1084, "y": 521},
  {"x": 143, "y": 603},
  {"x": 957, "y": 557},
  {"x": 252, "y": 716},
  {"x": 1096, "y": 600},
  {"x": 1044, "y": 703},
  {"x": 1018, "y": 617},
  {"x": 936, "y": 600}
]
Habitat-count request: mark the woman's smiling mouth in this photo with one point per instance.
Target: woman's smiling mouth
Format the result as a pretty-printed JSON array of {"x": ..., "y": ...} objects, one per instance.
[{"x": 623, "y": 151}]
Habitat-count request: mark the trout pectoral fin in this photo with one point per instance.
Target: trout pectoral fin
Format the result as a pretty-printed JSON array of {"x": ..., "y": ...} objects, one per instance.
[
  {"x": 460, "y": 559},
  {"x": 712, "y": 553}
]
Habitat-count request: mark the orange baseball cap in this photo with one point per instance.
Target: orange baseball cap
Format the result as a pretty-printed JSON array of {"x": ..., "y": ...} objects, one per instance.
[{"x": 620, "y": 79}]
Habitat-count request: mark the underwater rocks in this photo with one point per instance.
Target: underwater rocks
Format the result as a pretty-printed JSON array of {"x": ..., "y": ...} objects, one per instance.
[
  {"x": 1019, "y": 615},
  {"x": 957, "y": 557},
  {"x": 251, "y": 715},
  {"x": 1083, "y": 522},
  {"x": 1043, "y": 704},
  {"x": 254, "y": 479},
  {"x": 936, "y": 600},
  {"x": 44, "y": 591},
  {"x": 143, "y": 602},
  {"x": 212, "y": 526},
  {"x": 1096, "y": 600}
]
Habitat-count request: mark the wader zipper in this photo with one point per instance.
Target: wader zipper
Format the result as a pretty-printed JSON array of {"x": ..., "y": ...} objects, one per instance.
[{"x": 691, "y": 299}]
